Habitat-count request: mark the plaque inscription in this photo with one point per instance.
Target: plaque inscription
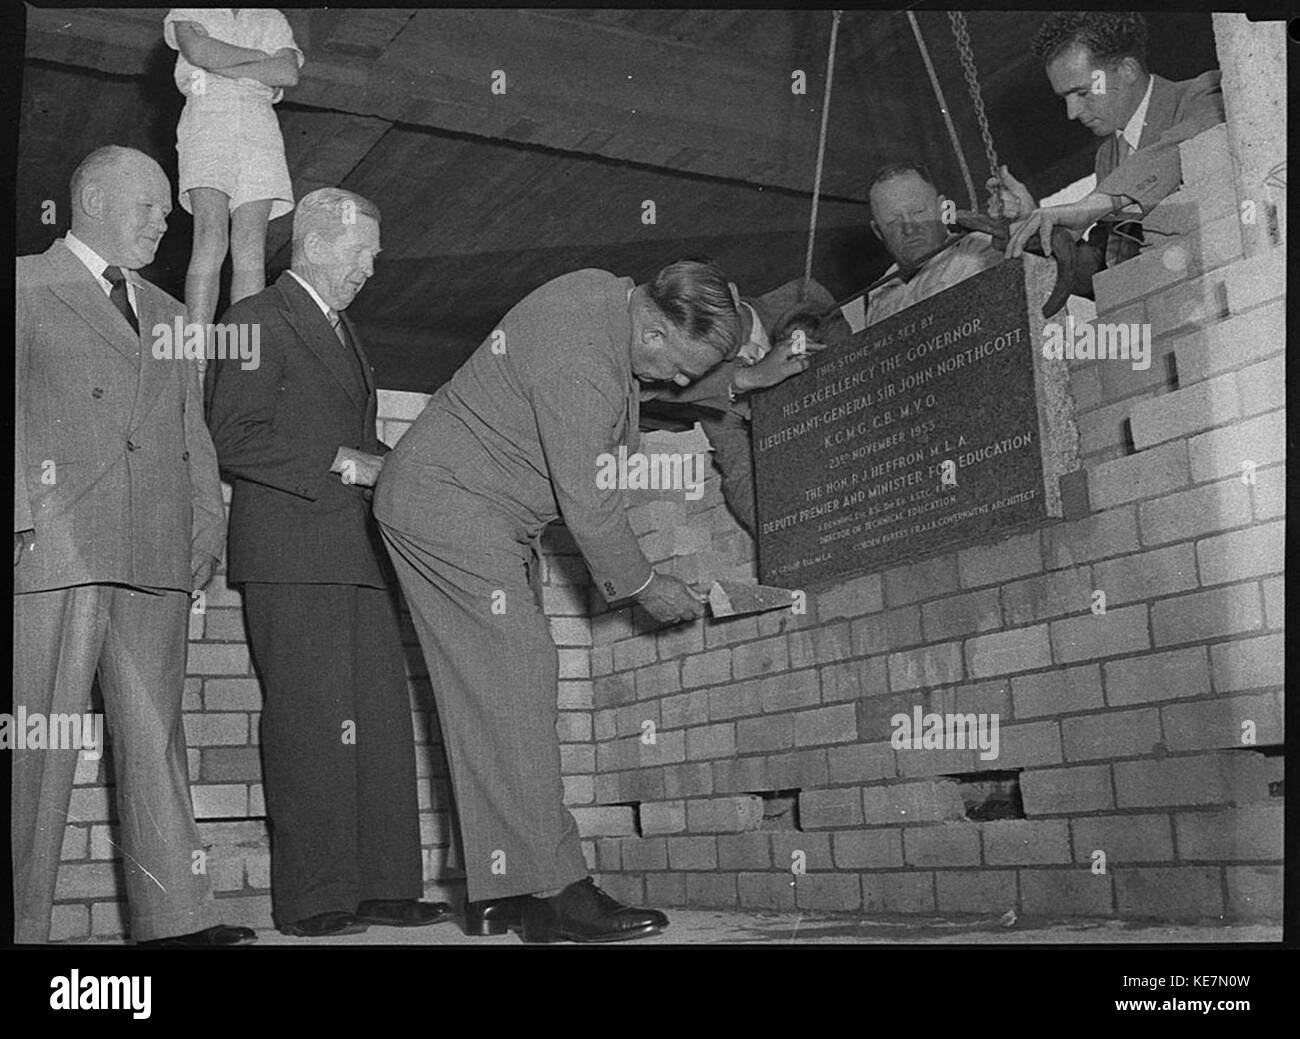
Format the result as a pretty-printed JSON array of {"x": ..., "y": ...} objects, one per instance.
[{"x": 918, "y": 433}]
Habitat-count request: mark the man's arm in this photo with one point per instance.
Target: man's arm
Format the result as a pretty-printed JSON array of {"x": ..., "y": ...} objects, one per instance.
[
  {"x": 279, "y": 70},
  {"x": 577, "y": 415},
  {"x": 1155, "y": 170},
  {"x": 207, "y": 52},
  {"x": 208, "y": 527},
  {"x": 24, "y": 528}
]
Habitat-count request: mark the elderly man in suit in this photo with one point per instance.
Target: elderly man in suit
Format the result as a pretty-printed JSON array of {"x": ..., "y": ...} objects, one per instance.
[
  {"x": 769, "y": 355},
  {"x": 117, "y": 517},
  {"x": 1096, "y": 62},
  {"x": 512, "y": 442},
  {"x": 296, "y": 436}
]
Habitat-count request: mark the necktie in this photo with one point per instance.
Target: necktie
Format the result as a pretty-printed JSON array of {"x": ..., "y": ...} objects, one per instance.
[
  {"x": 336, "y": 319},
  {"x": 118, "y": 297}
]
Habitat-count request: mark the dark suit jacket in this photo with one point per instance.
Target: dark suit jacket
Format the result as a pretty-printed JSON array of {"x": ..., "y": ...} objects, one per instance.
[
  {"x": 277, "y": 428},
  {"x": 114, "y": 472},
  {"x": 522, "y": 428},
  {"x": 1178, "y": 110}
]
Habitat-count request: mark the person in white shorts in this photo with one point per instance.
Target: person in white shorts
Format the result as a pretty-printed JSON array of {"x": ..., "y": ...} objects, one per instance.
[{"x": 232, "y": 65}]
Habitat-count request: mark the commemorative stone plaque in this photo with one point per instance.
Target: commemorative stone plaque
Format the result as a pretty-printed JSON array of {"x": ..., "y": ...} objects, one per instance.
[{"x": 939, "y": 426}]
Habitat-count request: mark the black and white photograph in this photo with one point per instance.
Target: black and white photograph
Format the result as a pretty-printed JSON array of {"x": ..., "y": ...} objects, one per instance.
[{"x": 678, "y": 480}]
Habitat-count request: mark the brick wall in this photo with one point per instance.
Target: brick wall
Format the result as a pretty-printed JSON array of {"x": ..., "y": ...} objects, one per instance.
[{"x": 1124, "y": 729}]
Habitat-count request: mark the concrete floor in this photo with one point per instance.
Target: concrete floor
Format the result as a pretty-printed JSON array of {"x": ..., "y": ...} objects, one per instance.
[{"x": 732, "y": 927}]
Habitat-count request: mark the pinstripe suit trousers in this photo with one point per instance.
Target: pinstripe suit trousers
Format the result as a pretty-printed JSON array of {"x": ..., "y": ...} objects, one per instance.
[{"x": 494, "y": 671}]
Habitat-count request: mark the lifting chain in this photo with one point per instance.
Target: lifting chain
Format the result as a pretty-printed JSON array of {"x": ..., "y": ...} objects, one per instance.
[{"x": 962, "y": 36}]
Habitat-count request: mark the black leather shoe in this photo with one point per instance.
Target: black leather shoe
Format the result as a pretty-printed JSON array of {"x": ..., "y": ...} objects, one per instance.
[
  {"x": 494, "y": 916},
  {"x": 220, "y": 936},
  {"x": 402, "y": 912},
  {"x": 584, "y": 913},
  {"x": 324, "y": 925}
]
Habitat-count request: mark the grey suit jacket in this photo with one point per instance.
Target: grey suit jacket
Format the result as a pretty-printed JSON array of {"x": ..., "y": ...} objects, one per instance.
[
  {"x": 115, "y": 475},
  {"x": 522, "y": 427},
  {"x": 1178, "y": 110}
]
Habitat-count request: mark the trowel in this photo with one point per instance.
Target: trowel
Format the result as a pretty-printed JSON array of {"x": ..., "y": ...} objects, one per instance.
[{"x": 736, "y": 599}]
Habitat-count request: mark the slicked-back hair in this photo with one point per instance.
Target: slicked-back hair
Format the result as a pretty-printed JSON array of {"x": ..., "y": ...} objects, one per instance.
[
  {"x": 897, "y": 169},
  {"x": 1108, "y": 35},
  {"x": 327, "y": 211},
  {"x": 695, "y": 296}
]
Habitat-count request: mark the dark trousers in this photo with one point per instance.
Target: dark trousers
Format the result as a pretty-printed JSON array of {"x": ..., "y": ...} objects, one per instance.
[
  {"x": 730, "y": 436},
  {"x": 338, "y": 747}
]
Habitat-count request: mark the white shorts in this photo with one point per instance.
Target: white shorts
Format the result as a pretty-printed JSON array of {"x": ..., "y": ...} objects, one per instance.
[{"x": 233, "y": 143}]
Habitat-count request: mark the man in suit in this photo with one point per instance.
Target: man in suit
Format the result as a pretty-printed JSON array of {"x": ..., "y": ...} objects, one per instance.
[
  {"x": 117, "y": 517},
  {"x": 511, "y": 443},
  {"x": 1096, "y": 62},
  {"x": 296, "y": 436},
  {"x": 767, "y": 357}
]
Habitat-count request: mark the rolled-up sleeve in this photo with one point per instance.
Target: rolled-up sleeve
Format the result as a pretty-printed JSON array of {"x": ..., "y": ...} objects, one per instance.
[{"x": 579, "y": 414}]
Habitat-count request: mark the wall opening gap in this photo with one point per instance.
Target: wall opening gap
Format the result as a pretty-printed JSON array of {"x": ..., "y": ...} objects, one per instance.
[
  {"x": 990, "y": 795},
  {"x": 780, "y": 809}
]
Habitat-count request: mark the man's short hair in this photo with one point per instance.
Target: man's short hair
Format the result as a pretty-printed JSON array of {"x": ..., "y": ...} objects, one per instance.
[
  {"x": 897, "y": 169},
  {"x": 696, "y": 297},
  {"x": 1108, "y": 35},
  {"x": 95, "y": 165},
  {"x": 327, "y": 211}
]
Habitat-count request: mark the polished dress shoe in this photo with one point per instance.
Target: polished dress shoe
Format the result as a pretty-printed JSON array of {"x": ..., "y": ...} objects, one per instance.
[
  {"x": 494, "y": 916},
  {"x": 218, "y": 937},
  {"x": 324, "y": 925},
  {"x": 584, "y": 913},
  {"x": 402, "y": 912}
]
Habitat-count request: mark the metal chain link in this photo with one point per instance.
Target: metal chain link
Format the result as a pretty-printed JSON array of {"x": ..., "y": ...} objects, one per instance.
[{"x": 962, "y": 36}]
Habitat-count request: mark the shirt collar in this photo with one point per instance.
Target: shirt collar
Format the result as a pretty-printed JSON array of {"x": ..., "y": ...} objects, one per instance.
[
  {"x": 95, "y": 263},
  {"x": 1133, "y": 131},
  {"x": 326, "y": 309}
]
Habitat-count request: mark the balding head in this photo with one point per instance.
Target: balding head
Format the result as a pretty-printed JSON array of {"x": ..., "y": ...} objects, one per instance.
[{"x": 120, "y": 200}]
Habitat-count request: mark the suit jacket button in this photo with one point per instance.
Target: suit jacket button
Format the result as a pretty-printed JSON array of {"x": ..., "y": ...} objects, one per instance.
[
  {"x": 185, "y": 456},
  {"x": 130, "y": 446},
  {"x": 97, "y": 392}
]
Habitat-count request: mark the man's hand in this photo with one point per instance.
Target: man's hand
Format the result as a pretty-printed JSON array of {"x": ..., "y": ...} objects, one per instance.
[
  {"x": 204, "y": 567},
  {"x": 1076, "y": 216},
  {"x": 1017, "y": 202},
  {"x": 781, "y": 362},
  {"x": 669, "y": 600},
  {"x": 357, "y": 467}
]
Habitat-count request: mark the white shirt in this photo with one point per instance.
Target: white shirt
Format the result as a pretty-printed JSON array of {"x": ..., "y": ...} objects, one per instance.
[
  {"x": 329, "y": 311},
  {"x": 257, "y": 28},
  {"x": 96, "y": 264},
  {"x": 758, "y": 346},
  {"x": 974, "y": 253}
]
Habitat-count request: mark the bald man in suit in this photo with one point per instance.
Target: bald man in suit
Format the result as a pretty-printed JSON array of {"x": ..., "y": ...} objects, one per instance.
[
  {"x": 117, "y": 517},
  {"x": 511, "y": 443}
]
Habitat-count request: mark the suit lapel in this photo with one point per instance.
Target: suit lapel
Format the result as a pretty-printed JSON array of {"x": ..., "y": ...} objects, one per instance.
[
  {"x": 364, "y": 361},
  {"x": 1160, "y": 110},
  {"x": 313, "y": 328},
  {"x": 78, "y": 288},
  {"x": 155, "y": 374}
]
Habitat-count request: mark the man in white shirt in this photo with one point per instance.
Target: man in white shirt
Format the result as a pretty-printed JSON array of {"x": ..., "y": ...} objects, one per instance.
[
  {"x": 1096, "y": 62},
  {"x": 906, "y": 215},
  {"x": 117, "y": 518}
]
